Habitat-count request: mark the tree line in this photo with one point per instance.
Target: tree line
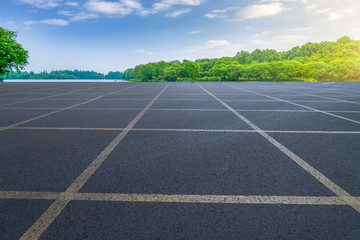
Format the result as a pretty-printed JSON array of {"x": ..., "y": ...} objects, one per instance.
[
  {"x": 325, "y": 61},
  {"x": 66, "y": 74}
]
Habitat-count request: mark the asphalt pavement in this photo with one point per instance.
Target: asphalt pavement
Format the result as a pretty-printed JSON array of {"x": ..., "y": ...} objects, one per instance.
[{"x": 180, "y": 160}]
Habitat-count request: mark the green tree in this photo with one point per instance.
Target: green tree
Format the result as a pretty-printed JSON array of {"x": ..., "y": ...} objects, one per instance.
[
  {"x": 12, "y": 56},
  {"x": 191, "y": 70},
  {"x": 220, "y": 70}
]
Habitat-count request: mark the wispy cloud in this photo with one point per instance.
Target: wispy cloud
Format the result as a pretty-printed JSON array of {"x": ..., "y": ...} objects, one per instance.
[
  {"x": 209, "y": 45},
  {"x": 122, "y": 7},
  {"x": 249, "y": 12},
  {"x": 53, "y": 21},
  {"x": 177, "y": 13},
  {"x": 165, "y": 5},
  {"x": 77, "y": 16},
  {"x": 72, "y": 4},
  {"x": 194, "y": 32},
  {"x": 258, "y": 11},
  {"x": 143, "y": 51},
  {"x": 43, "y": 3}
]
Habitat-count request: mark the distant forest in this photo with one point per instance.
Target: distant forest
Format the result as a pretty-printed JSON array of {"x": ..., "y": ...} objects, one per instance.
[
  {"x": 66, "y": 74},
  {"x": 312, "y": 62}
]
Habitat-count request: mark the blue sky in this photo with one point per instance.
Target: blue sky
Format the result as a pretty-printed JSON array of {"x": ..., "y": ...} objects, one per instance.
[{"x": 113, "y": 35}]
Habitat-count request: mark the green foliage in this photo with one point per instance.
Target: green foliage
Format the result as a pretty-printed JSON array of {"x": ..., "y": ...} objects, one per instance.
[
  {"x": 114, "y": 75},
  {"x": 66, "y": 74},
  {"x": 12, "y": 56},
  {"x": 324, "y": 61}
]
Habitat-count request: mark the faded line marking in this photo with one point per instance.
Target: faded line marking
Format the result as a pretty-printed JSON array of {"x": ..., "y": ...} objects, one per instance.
[
  {"x": 35, "y": 231},
  {"x": 307, "y": 167}
]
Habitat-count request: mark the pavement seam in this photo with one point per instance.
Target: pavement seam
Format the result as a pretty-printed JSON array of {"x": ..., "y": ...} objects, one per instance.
[
  {"x": 302, "y": 163},
  {"x": 37, "y": 229}
]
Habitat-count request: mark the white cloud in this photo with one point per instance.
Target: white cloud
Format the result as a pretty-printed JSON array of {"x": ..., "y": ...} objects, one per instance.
[
  {"x": 122, "y": 7},
  {"x": 72, "y": 4},
  {"x": 30, "y": 22},
  {"x": 43, "y": 3},
  {"x": 258, "y": 11},
  {"x": 194, "y": 32},
  {"x": 262, "y": 34},
  {"x": 249, "y": 12},
  {"x": 83, "y": 16},
  {"x": 177, "y": 13},
  {"x": 211, "y": 44},
  {"x": 143, "y": 51},
  {"x": 218, "y": 13},
  {"x": 164, "y": 5},
  {"x": 53, "y": 21},
  {"x": 77, "y": 16}
]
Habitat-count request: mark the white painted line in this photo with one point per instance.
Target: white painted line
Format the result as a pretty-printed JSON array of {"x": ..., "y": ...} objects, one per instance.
[
  {"x": 341, "y": 93},
  {"x": 307, "y": 167},
  {"x": 35, "y": 99},
  {"x": 62, "y": 109},
  {"x": 29, "y": 195},
  {"x": 183, "y": 130},
  {"x": 214, "y": 199},
  {"x": 296, "y": 104},
  {"x": 68, "y": 128},
  {"x": 177, "y": 198},
  {"x": 35, "y": 231},
  {"x": 31, "y": 92},
  {"x": 312, "y": 95}
]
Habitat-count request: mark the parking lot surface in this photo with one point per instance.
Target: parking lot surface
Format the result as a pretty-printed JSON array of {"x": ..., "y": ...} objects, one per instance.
[{"x": 179, "y": 160}]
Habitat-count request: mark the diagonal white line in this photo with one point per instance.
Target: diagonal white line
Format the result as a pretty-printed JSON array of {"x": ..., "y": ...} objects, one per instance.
[
  {"x": 312, "y": 95},
  {"x": 34, "y": 99},
  {"x": 296, "y": 104},
  {"x": 35, "y": 231},
  {"x": 307, "y": 167},
  {"x": 60, "y": 110}
]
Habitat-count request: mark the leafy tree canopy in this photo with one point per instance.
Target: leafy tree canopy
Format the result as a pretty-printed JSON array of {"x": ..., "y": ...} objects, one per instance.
[{"x": 12, "y": 56}]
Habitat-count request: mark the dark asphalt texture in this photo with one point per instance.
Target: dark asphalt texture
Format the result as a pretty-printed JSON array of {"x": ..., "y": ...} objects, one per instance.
[{"x": 165, "y": 157}]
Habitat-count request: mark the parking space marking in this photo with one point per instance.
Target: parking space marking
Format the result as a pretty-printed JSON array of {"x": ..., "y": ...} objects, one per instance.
[
  {"x": 341, "y": 93},
  {"x": 35, "y": 231},
  {"x": 32, "y": 91},
  {"x": 307, "y": 167},
  {"x": 180, "y": 198},
  {"x": 62, "y": 109},
  {"x": 297, "y": 104},
  {"x": 42, "y": 98},
  {"x": 313, "y": 95},
  {"x": 184, "y": 130}
]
